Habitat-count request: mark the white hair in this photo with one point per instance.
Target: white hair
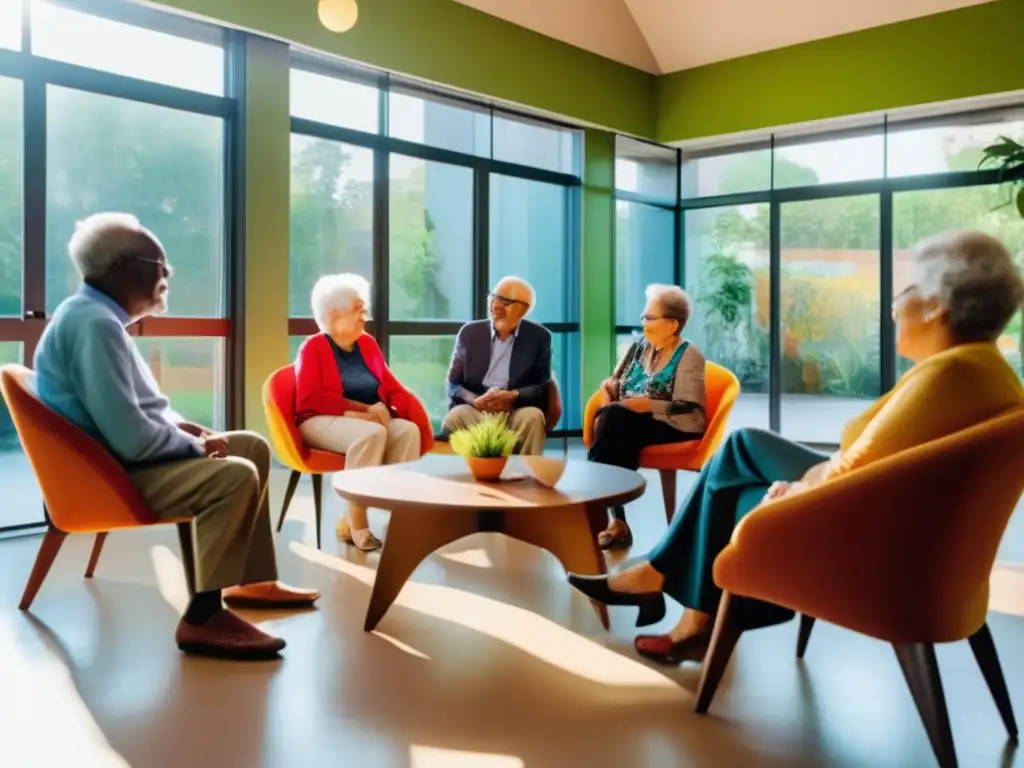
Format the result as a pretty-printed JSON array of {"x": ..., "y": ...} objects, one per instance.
[
  {"x": 531, "y": 295},
  {"x": 675, "y": 302},
  {"x": 101, "y": 239},
  {"x": 974, "y": 279},
  {"x": 334, "y": 293}
]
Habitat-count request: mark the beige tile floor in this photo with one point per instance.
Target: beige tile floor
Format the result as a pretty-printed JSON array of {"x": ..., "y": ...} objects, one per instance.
[{"x": 487, "y": 660}]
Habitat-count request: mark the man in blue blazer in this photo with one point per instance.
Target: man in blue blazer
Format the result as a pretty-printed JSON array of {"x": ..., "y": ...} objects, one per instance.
[{"x": 503, "y": 365}]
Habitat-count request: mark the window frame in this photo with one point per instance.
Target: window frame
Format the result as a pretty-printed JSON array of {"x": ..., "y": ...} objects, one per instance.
[
  {"x": 36, "y": 74},
  {"x": 383, "y": 146}
]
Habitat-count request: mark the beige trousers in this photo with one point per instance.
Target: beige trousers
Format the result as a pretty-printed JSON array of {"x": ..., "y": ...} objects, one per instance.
[
  {"x": 528, "y": 422},
  {"x": 228, "y": 501},
  {"x": 364, "y": 443}
]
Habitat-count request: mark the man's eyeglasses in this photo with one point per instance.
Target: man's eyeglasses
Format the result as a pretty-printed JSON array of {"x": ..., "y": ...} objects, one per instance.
[
  {"x": 504, "y": 300},
  {"x": 165, "y": 268},
  {"x": 652, "y": 318}
]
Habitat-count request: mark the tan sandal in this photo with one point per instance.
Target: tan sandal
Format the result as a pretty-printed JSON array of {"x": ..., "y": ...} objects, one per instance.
[{"x": 362, "y": 539}]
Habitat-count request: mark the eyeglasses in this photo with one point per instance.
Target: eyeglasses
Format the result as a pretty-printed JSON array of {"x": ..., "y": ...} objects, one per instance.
[
  {"x": 504, "y": 300},
  {"x": 652, "y": 318},
  {"x": 165, "y": 269}
]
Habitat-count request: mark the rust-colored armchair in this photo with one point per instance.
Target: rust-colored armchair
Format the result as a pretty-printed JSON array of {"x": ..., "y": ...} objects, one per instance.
[
  {"x": 721, "y": 390},
  {"x": 85, "y": 489},
  {"x": 279, "y": 404},
  {"x": 901, "y": 550}
]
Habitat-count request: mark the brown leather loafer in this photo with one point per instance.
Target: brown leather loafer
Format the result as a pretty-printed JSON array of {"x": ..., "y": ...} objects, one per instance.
[
  {"x": 227, "y": 636},
  {"x": 272, "y": 594}
]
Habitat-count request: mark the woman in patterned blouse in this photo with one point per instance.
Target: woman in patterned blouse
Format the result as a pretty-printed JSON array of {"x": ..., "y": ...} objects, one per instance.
[{"x": 656, "y": 395}]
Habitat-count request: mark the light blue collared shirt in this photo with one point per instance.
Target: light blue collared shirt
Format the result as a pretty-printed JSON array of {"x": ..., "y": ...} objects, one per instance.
[
  {"x": 89, "y": 371},
  {"x": 498, "y": 369}
]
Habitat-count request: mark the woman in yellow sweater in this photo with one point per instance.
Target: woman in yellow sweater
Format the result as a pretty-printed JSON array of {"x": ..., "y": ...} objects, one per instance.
[{"x": 966, "y": 293}]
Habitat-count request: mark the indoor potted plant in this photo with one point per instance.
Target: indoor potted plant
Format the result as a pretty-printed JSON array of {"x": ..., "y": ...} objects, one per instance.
[{"x": 485, "y": 445}]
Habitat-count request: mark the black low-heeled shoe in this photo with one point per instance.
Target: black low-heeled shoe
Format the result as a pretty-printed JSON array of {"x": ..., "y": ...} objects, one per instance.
[{"x": 651, "y": 604}]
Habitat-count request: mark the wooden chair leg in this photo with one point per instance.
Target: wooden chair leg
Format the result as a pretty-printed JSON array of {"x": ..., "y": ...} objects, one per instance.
[
  {"x": 724, "y": 637},
  {"x": 94, "y": 558},
  {"x": 804, "y": 636},
  {"x": 921, "y": 670},
  {"x": 293, "y": 482},
  {"x": 188, "y": 555},
  {"x": 668, "y": 491},
  {"x": 318, "y": 486},
  {"x": 988, "y": 660},
  {"x": 52, "y": 542}
]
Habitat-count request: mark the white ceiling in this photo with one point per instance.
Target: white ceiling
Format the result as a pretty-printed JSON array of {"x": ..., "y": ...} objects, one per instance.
[{"x": 662, "y": 36}]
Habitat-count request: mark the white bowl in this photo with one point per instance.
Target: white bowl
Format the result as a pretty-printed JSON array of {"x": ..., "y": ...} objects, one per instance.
[{"x": 546, "y": 470}]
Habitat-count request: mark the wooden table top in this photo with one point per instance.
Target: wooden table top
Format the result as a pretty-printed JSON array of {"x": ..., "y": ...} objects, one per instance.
[{"x": 437, "y": 481}]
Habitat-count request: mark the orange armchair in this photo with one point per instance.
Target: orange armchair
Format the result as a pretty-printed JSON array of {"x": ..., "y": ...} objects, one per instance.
[
  {"x": 721, "y": 390},
  {"x": 279, "y": 404},
  {"x": 85, "y": 489},
  {"x": 901, "y": 550}
]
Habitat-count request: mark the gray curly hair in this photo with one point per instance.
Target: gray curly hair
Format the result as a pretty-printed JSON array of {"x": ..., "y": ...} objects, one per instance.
[
  {"x": 974, "y": 278},
  {"x": 675, "y": 302}
]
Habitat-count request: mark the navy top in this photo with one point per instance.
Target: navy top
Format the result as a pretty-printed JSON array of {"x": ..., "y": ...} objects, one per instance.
[{"x": 357, "y": 381}]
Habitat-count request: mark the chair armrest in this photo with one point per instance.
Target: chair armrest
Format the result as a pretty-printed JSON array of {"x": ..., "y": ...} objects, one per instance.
[{"x": 597, "y": 401}]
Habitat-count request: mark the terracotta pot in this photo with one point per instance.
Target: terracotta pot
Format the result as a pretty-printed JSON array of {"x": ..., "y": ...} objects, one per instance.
[{"x": 486, "y": 469}]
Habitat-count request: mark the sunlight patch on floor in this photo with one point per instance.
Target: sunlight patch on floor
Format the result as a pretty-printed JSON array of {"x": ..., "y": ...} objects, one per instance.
[
  {"x": 1007, "y": 589},
  {"x": 431, "y": 757},
  {"x": 400, "y": 645},
  {"x": 170, "y": 577},
  {"x": 477, "y": 558},
  {"x": 45, "y": 722},
  {"x": 533, "y": 634}
]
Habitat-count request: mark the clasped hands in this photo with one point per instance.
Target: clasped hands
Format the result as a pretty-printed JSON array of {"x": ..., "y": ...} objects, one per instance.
[
  {"x": 496, "y": 400},
  {"x": 637, "y": 404},
  {"x": 215, "y": 446},
  {"x": 377, "y": 412}
]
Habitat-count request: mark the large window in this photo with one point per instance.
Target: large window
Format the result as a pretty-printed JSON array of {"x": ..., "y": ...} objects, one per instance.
[
  {"x": 795, "y": 247},
  {"x": 432, "y": 205},
  {"x": 146, "y": 136},
  {"x": 431, "y": 240},
  {"x": 727, "y": 277}
]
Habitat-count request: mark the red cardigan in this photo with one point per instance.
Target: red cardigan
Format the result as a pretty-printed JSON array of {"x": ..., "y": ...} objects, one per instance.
[{"x": 318, "y": 388}]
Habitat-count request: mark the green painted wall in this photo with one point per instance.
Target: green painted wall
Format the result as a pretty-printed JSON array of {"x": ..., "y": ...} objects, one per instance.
[
  {"x": 452, "y": 44},
  {"x": 597, "y": 320},
  {"x": 267, "y": 191},
  {"x": 968, "y": 52}
]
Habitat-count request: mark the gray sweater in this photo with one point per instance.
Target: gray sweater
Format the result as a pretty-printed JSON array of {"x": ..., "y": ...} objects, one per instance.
[{"x": 684, "y": 407}]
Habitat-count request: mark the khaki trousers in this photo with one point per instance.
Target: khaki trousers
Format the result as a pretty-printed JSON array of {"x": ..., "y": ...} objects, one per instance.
[
  {"x": 528, "y": 422},
  {"x": 228, "y": 501}
]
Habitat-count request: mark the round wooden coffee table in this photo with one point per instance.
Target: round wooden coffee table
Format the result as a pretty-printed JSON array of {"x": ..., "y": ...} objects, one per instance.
[{"x": 435, "y": 501}]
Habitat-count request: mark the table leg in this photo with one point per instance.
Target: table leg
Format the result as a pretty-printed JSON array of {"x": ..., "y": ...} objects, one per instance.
[
  {"x": 569, "y": 535},
  {"x": 412, "y": 535}
]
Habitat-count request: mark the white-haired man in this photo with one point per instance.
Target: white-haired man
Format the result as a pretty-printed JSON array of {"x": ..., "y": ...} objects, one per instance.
[
  {"x": 89, "y": 371},
  {"x": 503, "y": 365}
]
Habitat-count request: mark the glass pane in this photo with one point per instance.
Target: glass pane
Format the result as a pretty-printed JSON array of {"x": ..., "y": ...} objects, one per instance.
[
  {"x": 727, "y": 279},
  {"x": 10, "y": 26},
  {"x": 726, "y": 174},
  {"x": 190, "y": 371},
  {"x": 565, "y": 366},
  {"x": 22, "y": 503},
  {"x": 537, "y": 144},
  {"x": 90, "y": 41},
  {"x": 11, "y": 145},
  {"x": 163, "y": 165},
  {"x": 623, "y": 341},
  {"x": 421, "y": 364},
  {"x": 331, "y": 215},
  {"x": 335, "y": 101},
  {"x": 644, "y": 253},
  {"x": 438, "y": 122},
  {"x": 294, "y": 342},
  {"x": 829, "y": 162},
  {"x": 431, "y": 239},
  {"x": 921, "y": 214},
  {"x": 648, "y": 169},
  {"x": 830, "y": 306},
  {"x": 938, "y": 149},
  {"x": 530, "y": 239}
]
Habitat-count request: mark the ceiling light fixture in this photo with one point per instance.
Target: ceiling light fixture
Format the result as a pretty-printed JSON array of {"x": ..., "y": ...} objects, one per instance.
[{"x": 338, "y": 15}]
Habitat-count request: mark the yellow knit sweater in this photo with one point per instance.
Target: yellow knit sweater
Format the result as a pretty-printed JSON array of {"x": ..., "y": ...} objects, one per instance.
[{"x": 943, "y": 394}]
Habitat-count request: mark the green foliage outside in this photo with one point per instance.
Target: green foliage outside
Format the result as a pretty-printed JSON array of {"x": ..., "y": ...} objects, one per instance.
[{"x": 830, "y": 310}]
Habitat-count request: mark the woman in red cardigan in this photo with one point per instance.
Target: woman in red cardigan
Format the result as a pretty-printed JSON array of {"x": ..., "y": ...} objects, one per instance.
[{"x": 347, "y": 399}]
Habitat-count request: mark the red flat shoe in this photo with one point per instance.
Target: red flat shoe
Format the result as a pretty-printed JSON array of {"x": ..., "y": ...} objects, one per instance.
[{"x": 661, "y": 649}]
